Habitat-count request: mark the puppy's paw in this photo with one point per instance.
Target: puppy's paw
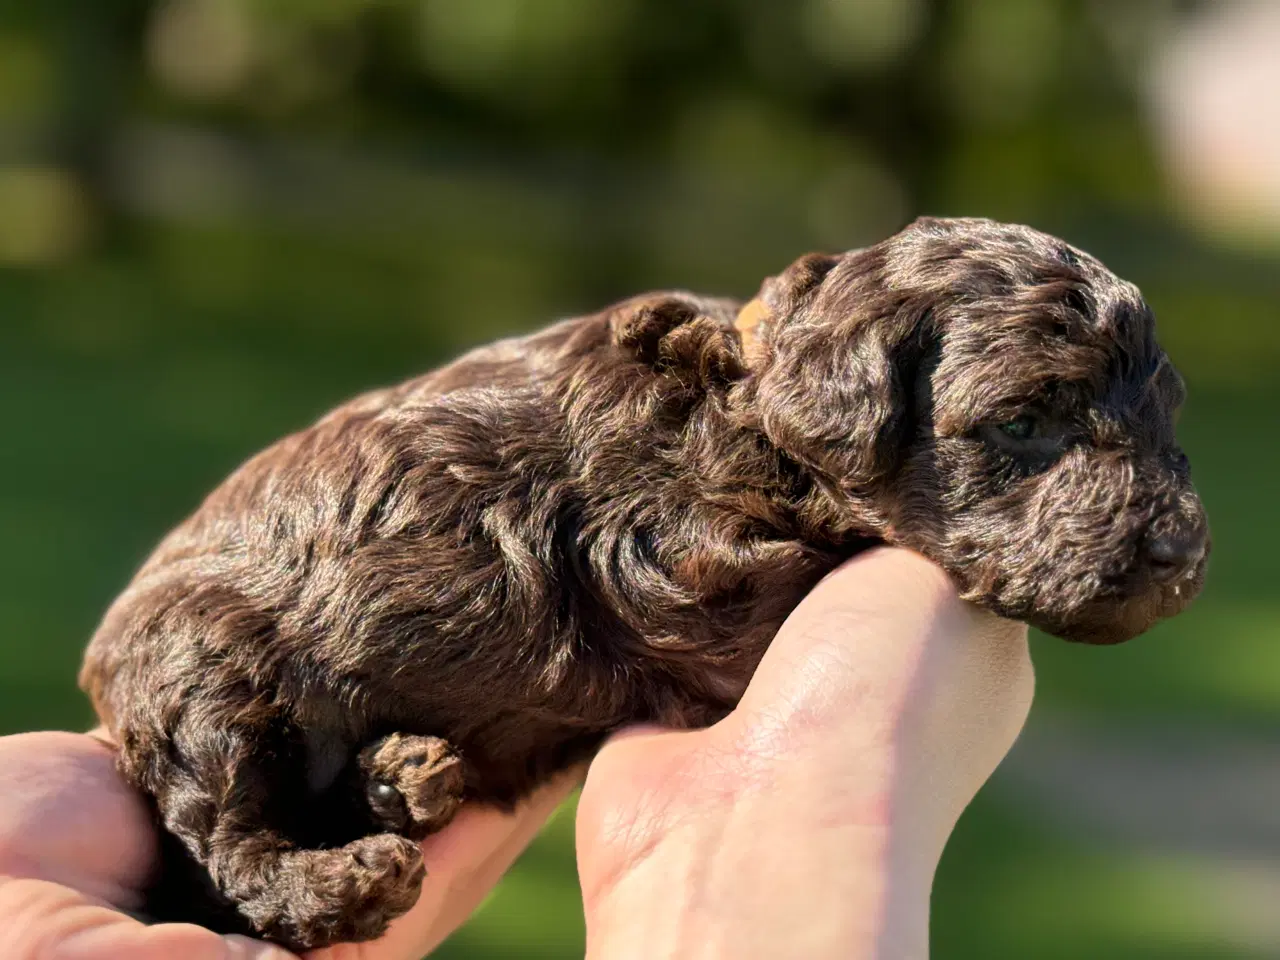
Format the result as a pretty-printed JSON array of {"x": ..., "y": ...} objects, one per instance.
[
  {"x": 386, "y": 873},
  {"x": 413, "y": 784},
  {"x": 345, "y": 895}
]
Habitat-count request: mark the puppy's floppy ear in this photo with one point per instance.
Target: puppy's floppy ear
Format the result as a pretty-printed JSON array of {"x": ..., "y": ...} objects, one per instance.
[
  {"x": 679, "y": 334},
  {"x": 837, "y": 367},
  {"x": 778, "y": 297}
]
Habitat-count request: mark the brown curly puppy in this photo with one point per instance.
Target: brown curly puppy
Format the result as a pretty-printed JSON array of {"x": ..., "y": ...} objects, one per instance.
[{"x": 451, "y": 589}]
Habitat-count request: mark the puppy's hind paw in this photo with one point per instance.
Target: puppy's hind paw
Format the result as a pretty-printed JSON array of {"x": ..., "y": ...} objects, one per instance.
[{"x": 347, "y": 894}]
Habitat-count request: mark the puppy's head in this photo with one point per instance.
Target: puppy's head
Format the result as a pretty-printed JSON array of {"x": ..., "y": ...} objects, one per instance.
[{"x": 995, "y": 399}]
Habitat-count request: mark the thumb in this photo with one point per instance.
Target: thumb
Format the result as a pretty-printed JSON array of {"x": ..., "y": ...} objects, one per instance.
[
  {"x": 884, "y": 649},
  {"x": 845, "y": 662},
  {"x": 884, "y": 660}
]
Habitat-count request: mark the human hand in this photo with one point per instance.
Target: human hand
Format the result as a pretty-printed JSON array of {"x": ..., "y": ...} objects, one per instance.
[
  {"x": 810, "y": 821},
  {"x": 77, "y": 846}
]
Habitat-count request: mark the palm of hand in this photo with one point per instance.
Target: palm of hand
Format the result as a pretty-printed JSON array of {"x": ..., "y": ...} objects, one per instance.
[{"x": 77, "y": 846}]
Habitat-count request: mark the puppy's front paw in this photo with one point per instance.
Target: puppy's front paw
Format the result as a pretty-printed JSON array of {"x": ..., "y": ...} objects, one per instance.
[{"x": 413, "y": 784}]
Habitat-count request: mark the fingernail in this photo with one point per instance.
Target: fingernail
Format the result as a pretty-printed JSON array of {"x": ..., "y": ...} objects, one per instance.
[{"x": 242, "y": 948}]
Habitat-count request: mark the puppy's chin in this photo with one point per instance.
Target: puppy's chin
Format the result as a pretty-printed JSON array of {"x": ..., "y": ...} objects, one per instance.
[
  {"x": 1113, "y": 620},
  {"x": 1104, "y": 627}
]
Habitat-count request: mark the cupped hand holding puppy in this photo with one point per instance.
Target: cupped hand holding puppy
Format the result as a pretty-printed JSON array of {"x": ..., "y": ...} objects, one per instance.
[
  {"x": 77, "y": 846},
  {"x": 808, "y": 823}
]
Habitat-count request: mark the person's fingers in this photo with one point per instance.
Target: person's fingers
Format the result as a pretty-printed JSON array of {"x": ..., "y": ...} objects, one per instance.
[
  {"x": 865, "y": 619},
  {"x": 46, "y": 921},
  {"x": 464, "y": 862},
  {"x": 105, "y": 846},
  {"x": 878, "y": 640},
  {"x": 103, "y": 736},
  {"x": 964, "y": 709},
  {"x": 879, "y": 679},
  {"x": 883, "y": 660},
  {"x": 68, "y": 818},
  {"x": 848, "y": 650},
  {"x": 831, "y": 684}
]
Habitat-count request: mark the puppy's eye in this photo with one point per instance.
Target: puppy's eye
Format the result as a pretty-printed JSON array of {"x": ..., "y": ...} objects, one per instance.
[
  {"x": 1025, "y": 427},
  {"x": 1032, "y": 441}
]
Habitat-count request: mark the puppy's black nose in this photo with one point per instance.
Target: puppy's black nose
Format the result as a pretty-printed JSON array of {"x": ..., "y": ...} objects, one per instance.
[{"x": 1172, "y": 554}]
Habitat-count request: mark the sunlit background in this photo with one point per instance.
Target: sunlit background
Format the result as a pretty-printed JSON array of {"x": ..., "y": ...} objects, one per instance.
[{"x": 220, "y": 217}]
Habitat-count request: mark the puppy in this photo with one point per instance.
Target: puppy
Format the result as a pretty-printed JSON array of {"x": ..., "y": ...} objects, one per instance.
[{"x": 449, "y": 590}]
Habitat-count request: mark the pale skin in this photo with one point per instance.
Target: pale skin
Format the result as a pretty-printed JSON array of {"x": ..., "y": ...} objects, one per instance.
[{"x": 808, "y": 823}]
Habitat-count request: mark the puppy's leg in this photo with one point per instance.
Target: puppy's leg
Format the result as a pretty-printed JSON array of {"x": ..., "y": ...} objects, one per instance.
[
  {"x": 226, "y": 791},
  {"x": 413, "y": 785},
  {"x": 313, "y": 898}
]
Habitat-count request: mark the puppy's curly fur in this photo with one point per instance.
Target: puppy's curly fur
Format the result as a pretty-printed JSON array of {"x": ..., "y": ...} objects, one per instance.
[{"x": 454, "y": 588}]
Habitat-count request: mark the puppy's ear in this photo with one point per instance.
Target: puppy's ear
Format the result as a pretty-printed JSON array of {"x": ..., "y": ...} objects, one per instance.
[
  {"x": 783, "y": 293},
  {"x": 836, "y": 378},
  {"x": 778, "y": 296},
  {"x": 681, "y": 335}
]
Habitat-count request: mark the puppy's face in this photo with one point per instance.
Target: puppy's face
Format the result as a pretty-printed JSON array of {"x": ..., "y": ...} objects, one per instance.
[
  {"x": 1050, "y": 480},
  {"x": 1019, "y": 423}
]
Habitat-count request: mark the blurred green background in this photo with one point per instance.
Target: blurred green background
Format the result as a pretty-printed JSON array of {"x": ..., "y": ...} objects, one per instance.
[{"x": 220, "y": 217}]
